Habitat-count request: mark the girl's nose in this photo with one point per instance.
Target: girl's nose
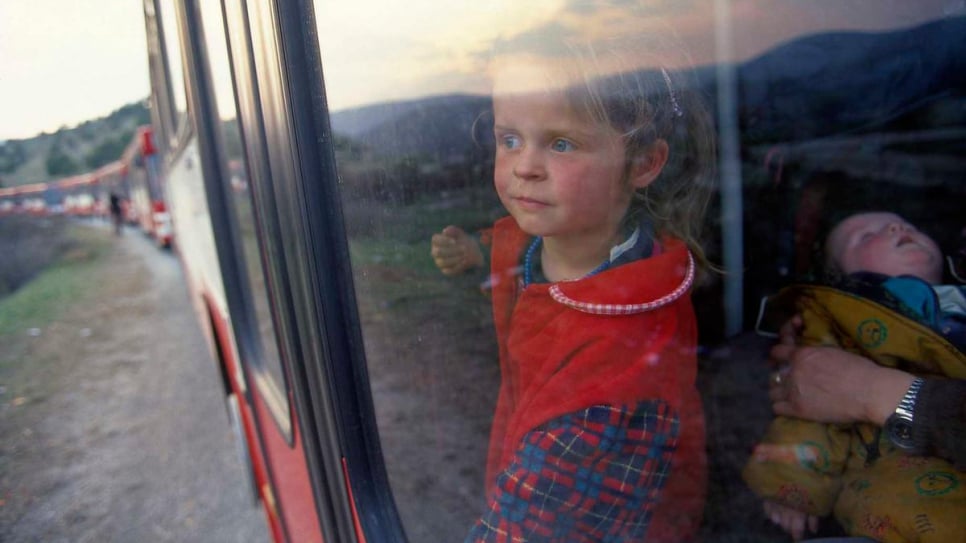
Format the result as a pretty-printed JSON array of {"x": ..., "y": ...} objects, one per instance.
[{"x": 529, "y": 165}]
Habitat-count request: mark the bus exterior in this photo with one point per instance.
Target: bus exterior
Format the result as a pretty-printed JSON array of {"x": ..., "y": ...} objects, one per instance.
[
  {"x": 30, "y": 199},
  {"x": 78, "y": 195},
  {"x": 309, "y": 149},
  {"x": 147, "y": 206}
]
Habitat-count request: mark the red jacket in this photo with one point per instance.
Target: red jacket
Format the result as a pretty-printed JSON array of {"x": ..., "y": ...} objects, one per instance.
[{"x": 625, "y": 335}]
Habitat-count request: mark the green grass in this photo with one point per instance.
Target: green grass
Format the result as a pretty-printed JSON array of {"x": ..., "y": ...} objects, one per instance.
[
  {"x": 70, "y": 280},
  {"x": 396, "y": 249},
  {"x": 413, "y": 256}
]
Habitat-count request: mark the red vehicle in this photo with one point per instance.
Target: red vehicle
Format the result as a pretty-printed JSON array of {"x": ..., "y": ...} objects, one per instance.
[
  {"x": 361, "y": 382},
  {"x": 134, "y": 179},
  {"x": 78, "y": 191},
  {"x": 142, "y": 174},
  {"x": 15, "y": 199}
]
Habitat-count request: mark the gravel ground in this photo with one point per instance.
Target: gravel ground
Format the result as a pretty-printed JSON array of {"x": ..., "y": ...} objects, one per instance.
[{"x": 121, "y": 434}]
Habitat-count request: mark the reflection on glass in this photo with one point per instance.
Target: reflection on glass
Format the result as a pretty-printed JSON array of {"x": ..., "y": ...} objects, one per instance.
[
  {"x": 838, "y": 108},
  {"x": 267, "y": 364},
  {"x": 169, "y": 24}
]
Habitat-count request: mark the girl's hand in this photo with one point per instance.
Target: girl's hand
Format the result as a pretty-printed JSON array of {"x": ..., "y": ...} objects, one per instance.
[
  {"x": 791, "y": 520},
  {"x": 454, "y": 251}
]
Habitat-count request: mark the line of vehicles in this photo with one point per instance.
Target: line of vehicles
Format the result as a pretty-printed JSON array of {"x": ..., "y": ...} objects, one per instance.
[
  {"x": 359, "y": 382},
  {"x": 134, "y": 179}
]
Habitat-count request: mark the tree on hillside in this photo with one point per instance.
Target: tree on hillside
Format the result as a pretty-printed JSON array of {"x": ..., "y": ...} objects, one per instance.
[
  {"x": 12, "y": 156},
  {"x": 137, "y": 113},
  {"x": 108, "y": 150},
  {"x": 58, "y": 163}
]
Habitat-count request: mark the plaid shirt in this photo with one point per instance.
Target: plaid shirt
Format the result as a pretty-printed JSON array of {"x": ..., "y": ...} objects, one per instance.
[{"x": 594, "y": 475}]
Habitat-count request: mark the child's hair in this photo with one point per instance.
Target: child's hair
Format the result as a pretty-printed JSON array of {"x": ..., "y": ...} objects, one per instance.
[
  {"x": 622, "y": 84},
  {"x": 821, "y": 268}
]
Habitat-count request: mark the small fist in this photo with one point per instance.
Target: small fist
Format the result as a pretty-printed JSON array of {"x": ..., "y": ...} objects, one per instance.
[{"x": 454, "y": 251}]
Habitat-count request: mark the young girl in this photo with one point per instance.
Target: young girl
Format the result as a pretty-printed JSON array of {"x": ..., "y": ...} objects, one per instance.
[{"x": 598, "y": 433}]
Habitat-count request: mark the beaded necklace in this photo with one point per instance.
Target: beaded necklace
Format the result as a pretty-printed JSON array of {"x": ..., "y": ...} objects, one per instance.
[{"x": 528, "y": 263}]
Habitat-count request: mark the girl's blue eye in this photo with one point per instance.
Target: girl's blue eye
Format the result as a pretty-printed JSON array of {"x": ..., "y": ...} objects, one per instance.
[
  {"x": 510, "y": 141},
  {"x": 562, "y": 146}
]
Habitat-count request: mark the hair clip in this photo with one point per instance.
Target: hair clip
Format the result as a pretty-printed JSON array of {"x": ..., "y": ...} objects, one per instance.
[{"x": 670, "y": 90}]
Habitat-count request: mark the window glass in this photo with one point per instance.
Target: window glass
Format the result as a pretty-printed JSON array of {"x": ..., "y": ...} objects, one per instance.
[
  {"x": 169, "y": 27},
  {"x": 257, "y": 329},
  {"x": 819, "y": 110}
]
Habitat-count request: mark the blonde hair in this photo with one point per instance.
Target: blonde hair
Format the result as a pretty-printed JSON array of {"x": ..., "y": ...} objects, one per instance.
[{"x": 604, "y": 81}]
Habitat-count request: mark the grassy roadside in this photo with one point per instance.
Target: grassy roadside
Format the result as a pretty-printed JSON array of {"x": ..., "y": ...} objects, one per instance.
[{"x": 72, "y": 277}]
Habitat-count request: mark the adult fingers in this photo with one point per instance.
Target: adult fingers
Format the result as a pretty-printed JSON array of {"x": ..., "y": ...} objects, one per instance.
[
  {"x": 785, "y": 408},
  {"x": 782, "y": 354},
  {"x": 790, "y": 329},
  {"x": 777, "y": 393}
]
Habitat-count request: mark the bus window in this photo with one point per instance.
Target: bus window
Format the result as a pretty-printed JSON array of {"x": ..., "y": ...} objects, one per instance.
[
  {"x": 169, "y": 27},
  {"x": 429, "y": 340},
  {"x": 256, "y": 330},
  {"x": 818, "y": 110}
]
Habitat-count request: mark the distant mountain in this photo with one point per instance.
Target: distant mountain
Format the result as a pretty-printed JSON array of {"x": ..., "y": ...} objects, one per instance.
[
  {"x": 441, "y": 127},
  {"x": 850, "y": 81},
  {"x": 811, "y": 87},
  {"x": 71, "y": 150}
]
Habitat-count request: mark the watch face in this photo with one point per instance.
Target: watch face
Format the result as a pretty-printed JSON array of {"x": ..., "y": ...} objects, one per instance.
[{"x": 900, "y": 432}]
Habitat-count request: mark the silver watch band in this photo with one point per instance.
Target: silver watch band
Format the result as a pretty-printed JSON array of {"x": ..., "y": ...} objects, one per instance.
[{"x": 907, "y": 404}]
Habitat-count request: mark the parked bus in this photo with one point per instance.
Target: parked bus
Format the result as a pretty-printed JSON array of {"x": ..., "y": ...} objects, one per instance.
[
  {"x": 23, "y": 199},
  {"x": 310, "y": 149},
  {"x": 134, "y": 178},
  {"x": 141, "y": 170},
  {"x": 37, "y": 199}
]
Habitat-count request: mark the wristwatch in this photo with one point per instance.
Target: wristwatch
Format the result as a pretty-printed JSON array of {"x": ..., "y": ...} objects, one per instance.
[{"x": 899, "y": 425}]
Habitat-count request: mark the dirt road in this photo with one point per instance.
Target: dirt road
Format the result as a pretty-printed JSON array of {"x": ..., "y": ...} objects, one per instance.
[{"x": 122, "y": 434}]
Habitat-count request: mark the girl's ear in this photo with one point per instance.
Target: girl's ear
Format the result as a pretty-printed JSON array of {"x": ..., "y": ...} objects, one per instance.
[{"x": 648, "y": 165}]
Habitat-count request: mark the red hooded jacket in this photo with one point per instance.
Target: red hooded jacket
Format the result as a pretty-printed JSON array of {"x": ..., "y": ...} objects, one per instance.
[{"x": 625, "y": 335}]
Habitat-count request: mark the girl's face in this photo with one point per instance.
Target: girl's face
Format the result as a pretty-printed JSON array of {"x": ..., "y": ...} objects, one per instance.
[
  {"x": 559, "y": 175},
  {"x": 884, "y": 243}
]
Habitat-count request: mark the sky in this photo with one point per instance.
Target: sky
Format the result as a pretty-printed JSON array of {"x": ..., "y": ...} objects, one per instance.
[
  {"x": 63, "y": 62},
  {"x": 405, "y": 47}
]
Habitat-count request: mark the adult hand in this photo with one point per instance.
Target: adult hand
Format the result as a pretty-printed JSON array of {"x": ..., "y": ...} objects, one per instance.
[
  {"x": 827, "y": 384},
  {"x": 454, "y": 251}
]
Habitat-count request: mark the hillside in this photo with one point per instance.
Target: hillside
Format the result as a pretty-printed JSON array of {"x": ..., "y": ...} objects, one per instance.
[{"x": 70, "y": 150}]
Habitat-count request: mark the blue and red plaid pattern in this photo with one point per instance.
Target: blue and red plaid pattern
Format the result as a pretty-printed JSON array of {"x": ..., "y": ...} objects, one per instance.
[{"x": 590, "y": 476}]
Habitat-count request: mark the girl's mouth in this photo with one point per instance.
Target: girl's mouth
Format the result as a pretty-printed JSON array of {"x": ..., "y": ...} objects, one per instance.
[{"x": 529, "y": 203}]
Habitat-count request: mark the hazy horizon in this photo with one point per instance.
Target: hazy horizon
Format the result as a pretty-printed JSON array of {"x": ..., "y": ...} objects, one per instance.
[{"x": 57, "y": 55}]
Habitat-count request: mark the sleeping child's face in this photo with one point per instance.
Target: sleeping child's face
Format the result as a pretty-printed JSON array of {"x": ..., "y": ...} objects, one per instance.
[{"x": 883, "y": 243}]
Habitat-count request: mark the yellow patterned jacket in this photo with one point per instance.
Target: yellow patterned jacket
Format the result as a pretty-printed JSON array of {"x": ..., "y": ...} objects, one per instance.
[{"x": 873, "y": 488}]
